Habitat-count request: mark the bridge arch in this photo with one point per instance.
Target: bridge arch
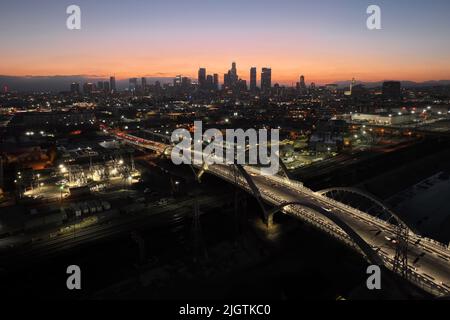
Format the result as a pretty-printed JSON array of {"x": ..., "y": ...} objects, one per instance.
[
  {"x": 255, "y": 191},
  {"x": 283, "y": 167},
  {"x": 371, "y": 255},
  {"x": 371, "y": 198}
]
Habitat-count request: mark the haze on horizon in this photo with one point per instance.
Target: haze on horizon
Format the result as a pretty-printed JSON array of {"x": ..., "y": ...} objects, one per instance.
[{"x": 325, "y": 40}]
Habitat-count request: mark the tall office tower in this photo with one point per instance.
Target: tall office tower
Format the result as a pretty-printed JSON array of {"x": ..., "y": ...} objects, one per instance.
[
  {"x": 209, "y": 82},
  {"x": 106, "y": 86},
  {"x": 233, "y": 68},
  {"x": 202, "y": 78},
  {"x": 185, "y": 83},
  {"x": 112, "y": 84},
  {"x": 100, "y": 85},
  {"x": 88, "y": 88},
  {"x": 266, "y": 79},
  {"x": 75, "y": 88},
  {"x": 232, "y": 76},
  {"x": 313, "y": 85},
  {"x": 216, "y": 81},
  {"x": 132, "y": 84},
  {"x": 177, "y": 81},
  {"x": 144, "y": 83},
  {"x": 391, "y": 90},
  {"x": 233, "y": 73},
  {"x": 302, "y": 83},
  {"x": 226, "y": 80},
  {"x": 253, "y": 86},
  {"x": 242, "y": 85}
]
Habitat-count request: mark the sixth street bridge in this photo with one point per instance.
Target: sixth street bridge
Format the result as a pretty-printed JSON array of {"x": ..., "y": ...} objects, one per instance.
[{"x": 422, "y": 261}]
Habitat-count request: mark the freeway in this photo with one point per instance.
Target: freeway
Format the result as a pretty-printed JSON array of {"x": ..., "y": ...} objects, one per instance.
[{"x": 429, "y": 262}]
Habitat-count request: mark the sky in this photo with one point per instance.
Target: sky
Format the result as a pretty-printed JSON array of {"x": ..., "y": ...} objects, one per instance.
[{"x": 326, "y": 40}]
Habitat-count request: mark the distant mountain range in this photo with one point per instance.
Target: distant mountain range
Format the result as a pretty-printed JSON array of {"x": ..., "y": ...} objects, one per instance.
[
  {"x": 405, "y": 83},
  {"x": 62, "y": 83}
]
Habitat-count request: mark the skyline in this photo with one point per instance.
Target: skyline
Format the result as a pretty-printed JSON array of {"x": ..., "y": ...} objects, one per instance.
[
  {"x": 62, "y": 83},
  {"x": 325, "y": 41}
]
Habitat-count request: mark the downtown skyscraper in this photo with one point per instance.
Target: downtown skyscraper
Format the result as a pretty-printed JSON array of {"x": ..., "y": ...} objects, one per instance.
[
  {"x": 253, "y": 80},
  {"x": 266, "y": 80},
  {"x": 112, "y": 84},
  {"x": 202, "y": 78}
]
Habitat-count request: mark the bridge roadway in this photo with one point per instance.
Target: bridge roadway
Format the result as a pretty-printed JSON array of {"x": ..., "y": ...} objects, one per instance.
[{"x": 429, "y": 261}]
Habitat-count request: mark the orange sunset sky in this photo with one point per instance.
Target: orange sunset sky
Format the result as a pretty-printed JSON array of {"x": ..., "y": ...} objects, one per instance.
[{"x": 326, "y": 41}]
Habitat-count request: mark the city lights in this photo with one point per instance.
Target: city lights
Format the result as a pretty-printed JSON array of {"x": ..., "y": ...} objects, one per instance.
[{"x": 225, "y": 150}]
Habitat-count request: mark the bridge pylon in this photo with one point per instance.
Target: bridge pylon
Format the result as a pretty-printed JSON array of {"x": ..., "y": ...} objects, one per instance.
[{"x": 401, "y": 252}]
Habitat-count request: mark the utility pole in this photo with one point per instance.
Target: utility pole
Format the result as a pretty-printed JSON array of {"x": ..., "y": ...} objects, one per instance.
[
  {"x": 141, "y": 245},
  {"x": 237, "y": 202},
  {"x": 199, "y": 248},
  {"x": 1, "y": 172}
]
